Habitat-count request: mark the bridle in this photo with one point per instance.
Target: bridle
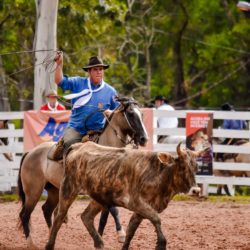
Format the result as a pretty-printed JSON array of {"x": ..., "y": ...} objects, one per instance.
[{"x": 132, "y": 140}]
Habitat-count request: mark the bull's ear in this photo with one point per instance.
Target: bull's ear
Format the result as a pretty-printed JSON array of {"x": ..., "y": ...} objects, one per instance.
[{"x": 164, "y": 158}]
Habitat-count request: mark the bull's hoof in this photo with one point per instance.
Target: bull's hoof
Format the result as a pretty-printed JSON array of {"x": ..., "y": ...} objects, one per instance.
[
  {"x": 49, "y": 246},
  {"x": 121, "y": 235}
]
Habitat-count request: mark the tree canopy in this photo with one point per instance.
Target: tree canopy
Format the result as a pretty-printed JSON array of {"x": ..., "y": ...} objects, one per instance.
[{"x": 196, "y": 53}]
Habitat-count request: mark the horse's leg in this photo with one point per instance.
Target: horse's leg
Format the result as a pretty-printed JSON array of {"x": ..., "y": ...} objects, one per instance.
[
  {"x": 103, "y": 220},
  {"x": 29, "y": 192},
  {"x": 226, "y": 190},
  {"x": 219, "y": 189},
  {"x": 63, "y": 207},
  {"x": 120, "y": 232},
  {"x": 134, "y": 223},
  {"x": 8, "y": 156},
  {"x": 25, "y": 213},
  {"x": 50, "y": 204},
  {"x": 88, "y": 217}
]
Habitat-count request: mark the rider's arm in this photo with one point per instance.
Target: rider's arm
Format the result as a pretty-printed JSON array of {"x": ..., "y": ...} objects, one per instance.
[{"x": 59, "y": 68}]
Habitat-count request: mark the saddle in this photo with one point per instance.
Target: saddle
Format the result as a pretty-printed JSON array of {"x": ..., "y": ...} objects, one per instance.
[{"x": 56, "y": 151}]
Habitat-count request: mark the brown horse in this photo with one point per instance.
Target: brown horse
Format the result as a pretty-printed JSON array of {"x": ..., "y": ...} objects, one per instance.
[
  {"x": 5, "y": 141},
  {"x": 37, "y": 172},
  {"x": 239, "y": 158}
]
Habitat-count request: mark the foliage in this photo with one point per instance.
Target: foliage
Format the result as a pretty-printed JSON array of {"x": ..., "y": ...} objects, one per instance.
[{"x": 153, "y": 47}]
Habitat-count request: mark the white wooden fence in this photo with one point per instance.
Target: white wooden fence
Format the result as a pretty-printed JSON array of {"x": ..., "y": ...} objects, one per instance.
[
  {"x": 217, "y": 133},
  {"x": 9, "y": 170}
]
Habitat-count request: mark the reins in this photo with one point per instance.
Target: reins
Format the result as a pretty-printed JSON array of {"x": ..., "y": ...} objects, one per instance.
[{"x": 117, "y": 134}]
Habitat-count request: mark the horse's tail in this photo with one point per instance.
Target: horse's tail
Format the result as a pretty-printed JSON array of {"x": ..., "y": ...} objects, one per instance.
[{"x": 21, "y": 193}]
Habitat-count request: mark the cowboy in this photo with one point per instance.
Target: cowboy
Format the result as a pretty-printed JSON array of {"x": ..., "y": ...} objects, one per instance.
[
  {"x": 90, "y": 97},
  {"x": 52, "y": 104}
]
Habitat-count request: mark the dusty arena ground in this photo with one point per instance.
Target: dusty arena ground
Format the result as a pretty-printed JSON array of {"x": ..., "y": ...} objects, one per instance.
[{"x": 188, "y": 225}]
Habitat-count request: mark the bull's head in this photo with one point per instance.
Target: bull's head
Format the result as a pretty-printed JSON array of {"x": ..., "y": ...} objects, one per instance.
[{"x": 187, "y": 167}]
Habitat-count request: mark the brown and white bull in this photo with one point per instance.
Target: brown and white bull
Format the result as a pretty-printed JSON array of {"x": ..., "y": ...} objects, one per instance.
[{"x": 141, "y": 181}]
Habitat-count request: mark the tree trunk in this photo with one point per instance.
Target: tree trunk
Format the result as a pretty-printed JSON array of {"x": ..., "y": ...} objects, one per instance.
[
  {"x": 4, "y": 100},
  {"x": 148, "y": 72},
  {"x": 179, "y": 87},
  {"x": 45, "y": 39}
]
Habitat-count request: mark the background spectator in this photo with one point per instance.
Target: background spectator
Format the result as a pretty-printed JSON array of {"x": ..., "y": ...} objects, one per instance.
[
  {"x": 164, "y": 122},
  {"x": 52, "y": 104}
]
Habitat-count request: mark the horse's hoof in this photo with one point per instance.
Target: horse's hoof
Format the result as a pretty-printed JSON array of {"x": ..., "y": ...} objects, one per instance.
[{"x": 121, "y": 235}]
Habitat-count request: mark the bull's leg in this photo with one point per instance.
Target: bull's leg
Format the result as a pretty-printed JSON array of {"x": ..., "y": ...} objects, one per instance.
[
  {"x": 147, "y": 212},
  {"x": 50, "y": 204},
  {"x": 88, "y": 217},
  {"x": 134, "y": 223}
]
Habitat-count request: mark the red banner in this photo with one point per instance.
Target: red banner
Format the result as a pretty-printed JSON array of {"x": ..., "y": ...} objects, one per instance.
[
  {"x": 42, "y": 126},
  {"x": 199, "y": 129}
]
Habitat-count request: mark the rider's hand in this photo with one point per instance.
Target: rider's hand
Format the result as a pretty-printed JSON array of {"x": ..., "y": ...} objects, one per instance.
[
  {"x": 59, "y": 58},
  {"x": 107, "y": 113}
]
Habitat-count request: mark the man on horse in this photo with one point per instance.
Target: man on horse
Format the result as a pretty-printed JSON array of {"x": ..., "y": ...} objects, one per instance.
[{"x": 91, "y": 96}]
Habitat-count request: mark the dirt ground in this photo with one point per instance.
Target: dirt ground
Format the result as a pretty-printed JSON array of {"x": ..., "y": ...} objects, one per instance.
[{"x": 188, "y": 225}]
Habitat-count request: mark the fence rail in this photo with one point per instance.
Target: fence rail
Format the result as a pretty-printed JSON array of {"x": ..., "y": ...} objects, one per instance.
[
  {"x": 9, "y": 170},
  {"x": 217, "y": 133}
]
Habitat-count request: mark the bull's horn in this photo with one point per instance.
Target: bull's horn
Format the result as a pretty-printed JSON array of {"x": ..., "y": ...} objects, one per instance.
[
  {"x": 203, "y": 151},
  {"x": 178, "y": 148}
]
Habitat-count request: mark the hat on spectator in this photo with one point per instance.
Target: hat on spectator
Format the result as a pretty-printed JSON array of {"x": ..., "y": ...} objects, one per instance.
[
  {"x": 51, "y": 93},
  {"x": 160, "y": 98},
  {"x": 95, "y": 61},
  {"x": 227, "y": 106}
]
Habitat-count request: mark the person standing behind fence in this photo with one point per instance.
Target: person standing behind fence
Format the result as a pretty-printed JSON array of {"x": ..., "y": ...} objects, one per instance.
[
  {"x": 230, "y": 124},
  {"x": 164, "y": 122},
  {"x": 52, "y": 104}
]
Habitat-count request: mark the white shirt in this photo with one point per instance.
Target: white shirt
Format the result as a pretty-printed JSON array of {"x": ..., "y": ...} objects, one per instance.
[{"x": 167, "y": 122}]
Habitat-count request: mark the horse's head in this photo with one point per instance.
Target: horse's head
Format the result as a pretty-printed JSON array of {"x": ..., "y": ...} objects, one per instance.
[{"x": 133, "y": 117}]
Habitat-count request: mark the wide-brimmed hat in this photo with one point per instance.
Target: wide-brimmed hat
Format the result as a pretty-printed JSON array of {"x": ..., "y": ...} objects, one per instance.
[
  {"x": 160, "y": 98},
  {"x": 227, "y": 106},
  {"x": 95, "y": 61},
  {"x": 51, "y": 93}
]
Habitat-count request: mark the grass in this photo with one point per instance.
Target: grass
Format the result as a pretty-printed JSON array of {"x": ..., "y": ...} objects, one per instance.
[
  {"x": 179, "y": 197},
  {"x": 214, "y": 198}
]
